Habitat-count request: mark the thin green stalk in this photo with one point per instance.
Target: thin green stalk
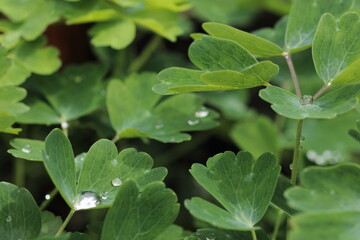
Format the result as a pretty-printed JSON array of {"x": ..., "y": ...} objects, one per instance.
[
  {"x": 47, "y": 201},
  {"x": 253, "y": 234},
  {"x": 323, "y": 89},
  {"x": 138, "y": 63},
  {"x": 296, "y": 159},
  {"x": 65, "y": 223},
  {"x": 65, "y": 128},
  {"x": 293, "y": 73},
  {"x": 19, "y": 172},
  {"x": 278, "y": 222}
]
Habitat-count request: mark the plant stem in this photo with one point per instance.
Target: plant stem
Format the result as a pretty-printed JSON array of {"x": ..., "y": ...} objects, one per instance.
[
  {"x": 253, "y": 234},
  {"x": 65, "y": 128},
  {"x": 137, "y": 64},
  {"x": 115, "y": 139},
  {"x": 296, "y": 158},
  {"x": 277, "y": 224},
  {"x": 293, "y": 73},
  {"x": 67, "y": 220},
  {"x": 321, "y": 90},
  {"x": 19, "y": 172},
  {"x": 46, "y": 202}
]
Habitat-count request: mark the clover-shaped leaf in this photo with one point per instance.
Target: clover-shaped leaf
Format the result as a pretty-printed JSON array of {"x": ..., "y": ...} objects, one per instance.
[
  {"x": 244, "y": 187},
  {"x": 336, "y": 49},
  {"x": 139, "y": 214},
  {"x": 304, "y": 18},
  {"x": 329, "y": 105},
  {"x": 27, "y": 149},
  {"x": 95, "y": 186},
  {"x": 136, "y": 111},
  {"x": 67, "y": 102},
  {"x": 225, "y": 65},
  {"x": 329, "y": 196},
  {"x": 19, "y": 214}
]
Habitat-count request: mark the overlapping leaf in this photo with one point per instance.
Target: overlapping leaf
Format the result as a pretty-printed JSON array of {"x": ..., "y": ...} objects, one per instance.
[
  {"x": 102, "y": 171},
  {"x": 329, "y": 105},
  {"x": 244, "y": 187},
  {"x": 329, "y": 197},
  {"x": 224, "y": 65},
  {"x": 336, "y": 49},
  {"x": 67, "y": 102},
  {"x": 27, "y": 149},
  {"x": 140, "y": 215},
  {"x": 304, "y": 18},
  {"x": 136, "y": 111},
  {"x": 19, "y": 213},
  {"x": 208, "y": 233}
]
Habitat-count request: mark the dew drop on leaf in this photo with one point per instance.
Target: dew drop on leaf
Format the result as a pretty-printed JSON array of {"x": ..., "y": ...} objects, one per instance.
[
  {"x": 47, "y": 196},
  {"x": 26, "y": 149},
  {"x": 64, "y": 124},
  {"x": 306, "y": 100},
  {"x": 291, "y": 166},
  {"x": 202, "y": 113},
  {"x": 249, "y": 177},
  {"x": 193, "y": 122},
  {"x": 86, "y": 200},
  {"x": 114, "y": 162},
  {"x": 116, "y": 182},
  {"x": 104, "y": 196},
  {"x": 8, "y": 219}
]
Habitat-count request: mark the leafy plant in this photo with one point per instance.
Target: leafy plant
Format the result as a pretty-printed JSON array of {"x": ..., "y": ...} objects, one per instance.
[{"x": 84, "y": 130}]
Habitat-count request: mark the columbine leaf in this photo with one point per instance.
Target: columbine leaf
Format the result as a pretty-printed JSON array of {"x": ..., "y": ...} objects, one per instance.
[
  {"x": 142, "y": 215},
  {"x": 243, "y": 187},
  {"x": 50, "y": 224},
  {"x": 116, "y": 34},
  {"x": 336, "y": 48},
  {"x": 255, "y": 45},
  {"x": 278, "y": 200},
  {"x": 27, "y": 149},
  {"x": 40, "y": 113},
  {"x": 276, "y": 34},
  {"x": 95, "y": 186},
  {"x": 207, "y": 234},
  {"x": 329, "y": 105},
  {"x": 304, "y": 18},
  {"x": 225, "y": 65},
  {"x": 173, "y": 232},
  {"x": 19, "y": 213},
  {"x": 329, "y": 198},
  {"x": 135, "y": 111}
]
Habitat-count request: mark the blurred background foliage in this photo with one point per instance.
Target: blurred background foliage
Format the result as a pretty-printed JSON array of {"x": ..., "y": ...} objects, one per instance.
[{"x": 46, "y": 44}]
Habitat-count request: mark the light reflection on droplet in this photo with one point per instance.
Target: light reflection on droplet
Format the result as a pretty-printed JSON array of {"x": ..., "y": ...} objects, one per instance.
[{"x": 116, "y": 182}]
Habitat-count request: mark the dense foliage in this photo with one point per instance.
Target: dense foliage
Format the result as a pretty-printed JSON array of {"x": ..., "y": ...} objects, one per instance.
[{"x": 92, "y": 138}]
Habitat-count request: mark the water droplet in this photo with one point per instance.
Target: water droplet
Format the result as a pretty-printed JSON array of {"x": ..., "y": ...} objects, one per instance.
[
  {"x": 159, "y": 125},
  {"x": 104, "y": 196},
  {"x": 116, "y": 182},
  {"x": 291, "y": 166},
  {"x": 306, "y": 100},
  {"x": 146, "y": 171},
  {"x": 64, "y": 124},
  {"x": 26, "y": 149},
  {"x": 78, "y": 79},
  {"x": 192, "y": 122},
  {"x": 202, "y": 113},
  {"x": 86, "y": 200},
  {"x": 114, "y": 162},
  {"x": 47, "y": 196},
  {"x": 302, "y": 138},
  {"x": 8, "y": 219}
]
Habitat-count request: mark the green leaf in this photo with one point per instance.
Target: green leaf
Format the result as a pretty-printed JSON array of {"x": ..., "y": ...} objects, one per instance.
[
  {"x": 102, "y": 171},
  {"x": 36, "y": 58},
  {"x": 140, "y": 215},
  {"x": 336, "y": 50},
  {"x": 62, "y": 92},
  {"x": 327, "y": 189},
  {"x": 243, "y": 187},
  {"x": 19, "y": 213},
  {"x": 276, "y": 34},
  {"x": 50, "y": 224},
  {"x": 278, "y": 200},
  {"x": 226, "y": 65},
  {"x": 15, "y": 75},
  {"x": 344, "y": 226},
  {"x": 173, "y": 5},
  {"x": 208, "y": 234},
  {"x": 256, "y": 136},
  {"x": 40, "y": 113},
  {"x": 27, "y": 149},
  {"x": 255, "y": 45},
  {"x": 329, "y": 105},
  {"x": 304, "y": 18},
  {"x": 116, "y": 34},
  {"x": 135, "y": 111},
  {"x": 173, "y": 232},
  {"x": 6, "y": 120}
]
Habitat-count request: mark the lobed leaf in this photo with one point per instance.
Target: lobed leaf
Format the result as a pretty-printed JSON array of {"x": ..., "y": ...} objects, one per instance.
[{"x": 27, "y": 149}]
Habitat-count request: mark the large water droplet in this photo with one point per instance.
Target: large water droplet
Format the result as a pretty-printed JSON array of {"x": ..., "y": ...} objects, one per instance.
[
  {"x": 86, "y": 200},
  {"x": 47, "y": 196},
  {"x": 192, "y": 122},
  {"x": 202, "y": 113},
  {"x": 26, "y": 149},
  {"x": 116, "y": 182},
  {"x": 8, "y": 219},
  {"x": 306, "y": 100}
]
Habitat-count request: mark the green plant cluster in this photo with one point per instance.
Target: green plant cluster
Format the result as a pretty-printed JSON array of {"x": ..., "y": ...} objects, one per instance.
[{"x": 295, "y": 176}]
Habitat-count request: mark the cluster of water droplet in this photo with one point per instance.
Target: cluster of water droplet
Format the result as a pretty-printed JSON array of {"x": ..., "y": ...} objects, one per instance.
[{"x": 325, "y": 158}]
